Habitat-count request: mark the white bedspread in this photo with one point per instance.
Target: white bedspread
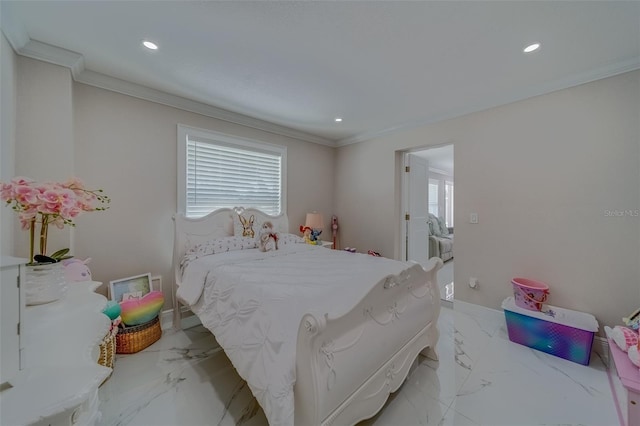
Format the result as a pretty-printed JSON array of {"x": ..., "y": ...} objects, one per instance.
[{"x": 253, "y": 303}]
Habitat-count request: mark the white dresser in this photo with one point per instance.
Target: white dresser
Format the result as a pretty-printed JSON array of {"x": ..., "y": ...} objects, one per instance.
[
  {"x": 12, "y": 302},
  {"x": 59, "y": 383}
]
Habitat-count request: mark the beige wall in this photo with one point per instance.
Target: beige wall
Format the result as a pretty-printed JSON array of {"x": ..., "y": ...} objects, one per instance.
[
  {"x": 540, "y": 173},
  {"x": 127, "y": 147},
  {"x": 8, "y": 86},
  {"x": 44, "y": 134}
]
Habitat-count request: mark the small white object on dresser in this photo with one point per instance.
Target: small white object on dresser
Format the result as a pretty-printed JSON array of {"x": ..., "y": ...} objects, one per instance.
[
  {"x": 12, "y": 302},
  {"x": 59, "y": 385},
  {"x": 326, "y": 244}
]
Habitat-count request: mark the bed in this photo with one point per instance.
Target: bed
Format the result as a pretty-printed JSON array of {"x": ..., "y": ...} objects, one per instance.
[{"x": 321, "y": 336}]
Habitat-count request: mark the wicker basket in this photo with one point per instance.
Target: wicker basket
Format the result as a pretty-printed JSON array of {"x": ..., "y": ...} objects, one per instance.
[
  {"x": 130, "y": 340},
  {"x": 108, "y": 348},
  {"x": 108, "y": 351}
]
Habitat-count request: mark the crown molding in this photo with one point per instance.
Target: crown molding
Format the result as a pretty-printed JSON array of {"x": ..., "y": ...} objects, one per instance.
[
  {"x": 23, "y": 45},
  {"x": 610, "y": 70},
  {"x": 34, "y": 49},
  {"x": 113, "y": 84},
  {"x": 54, "y": 55}
]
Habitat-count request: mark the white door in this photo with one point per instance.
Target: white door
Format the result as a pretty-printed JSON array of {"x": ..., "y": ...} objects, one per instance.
[{"x": 417, "y": 229}]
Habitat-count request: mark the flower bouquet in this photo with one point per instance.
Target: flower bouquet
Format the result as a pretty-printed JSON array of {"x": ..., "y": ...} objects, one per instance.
[
  {"x": 44, "y": 204},
  {"x": 49, "y": 203}
]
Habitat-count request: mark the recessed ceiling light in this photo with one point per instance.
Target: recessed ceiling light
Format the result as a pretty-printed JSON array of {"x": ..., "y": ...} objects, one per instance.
[
  {"x": 149, "y": 45},
  {"x": 338, "y": 119},
  {"x": 531, "y": 48}
]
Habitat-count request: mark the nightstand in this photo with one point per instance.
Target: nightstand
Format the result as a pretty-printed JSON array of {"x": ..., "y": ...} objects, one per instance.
[{"x": 326, "y": 244}]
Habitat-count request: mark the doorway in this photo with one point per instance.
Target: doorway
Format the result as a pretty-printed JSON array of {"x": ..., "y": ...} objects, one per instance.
[{"x": 428, "y": 203}]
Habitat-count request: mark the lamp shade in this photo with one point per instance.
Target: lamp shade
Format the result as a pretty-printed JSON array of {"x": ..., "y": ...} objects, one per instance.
[{"x": 314, "y": 221}]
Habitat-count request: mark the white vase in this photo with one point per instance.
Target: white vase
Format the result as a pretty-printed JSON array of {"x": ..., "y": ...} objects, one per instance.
[{"x": 44, "y": 283}]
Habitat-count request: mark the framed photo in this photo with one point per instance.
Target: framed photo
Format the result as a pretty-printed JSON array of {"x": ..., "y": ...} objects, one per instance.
[{"x": 130, "y": 288}]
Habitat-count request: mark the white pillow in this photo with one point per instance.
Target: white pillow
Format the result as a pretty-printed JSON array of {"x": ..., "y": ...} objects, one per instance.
[
  {"x": 245, "y": 225},
  {"x": 285, "y": 238},
  {"x": 434, "y": 226},
  {"x": 443, "y": 227}
]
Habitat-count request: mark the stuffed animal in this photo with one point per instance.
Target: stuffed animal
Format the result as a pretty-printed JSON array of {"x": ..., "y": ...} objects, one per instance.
[
  {"x": 624, "y": 337},
  {"x": 315, "y": 233},
  {"x": 306, "y": 234},
  {"x": 627, "y": 340},
  {"x": 268, "y": 239},
  {"x": 76, "y": 270}
]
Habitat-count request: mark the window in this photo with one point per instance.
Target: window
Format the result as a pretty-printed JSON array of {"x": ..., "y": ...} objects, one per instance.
[
  {"x": 433, "y": 197},
  {"x": 217, "y": 170},
  {"x": 448, "y": 203}
]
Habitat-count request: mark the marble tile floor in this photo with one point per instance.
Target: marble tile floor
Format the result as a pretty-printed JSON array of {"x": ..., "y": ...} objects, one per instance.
[
  {"x": 445, "y": 283},
  {"x": 481, "y": 379}
]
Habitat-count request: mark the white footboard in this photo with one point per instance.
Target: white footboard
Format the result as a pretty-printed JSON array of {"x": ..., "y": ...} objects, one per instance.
[{"x": 347, "y": 366}]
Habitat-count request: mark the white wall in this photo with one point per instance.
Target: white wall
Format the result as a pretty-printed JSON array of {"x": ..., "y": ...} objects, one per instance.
[
  {"x": 128, "y": 146},
  {"x": 540, "y": 173},
  {"x": 8, "y": 85},
  {"x": 44, "y": 135}
]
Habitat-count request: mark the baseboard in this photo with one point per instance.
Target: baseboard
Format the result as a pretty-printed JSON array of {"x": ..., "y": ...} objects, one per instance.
[
  {"x": 446, "y": 303},
  {"x": 600, "y": 347},
  {"x": 475, "y": 309},
  {"x": 166, "y": 319}
]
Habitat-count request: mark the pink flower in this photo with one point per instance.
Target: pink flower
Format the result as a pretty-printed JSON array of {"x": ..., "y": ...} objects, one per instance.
[
  {"x": 50, "y": 202},
  {"x": 25, "y": 194}
]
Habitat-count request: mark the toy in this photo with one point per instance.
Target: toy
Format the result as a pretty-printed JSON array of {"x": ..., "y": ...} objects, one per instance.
[
  {"x": 334, "y": 230},
  {"x": 268, "y": 239},
  {"x": 112, "y": 309},
  {"x": 633, "y": 321},
  {"x": 139, "y": 311},
  {"x": 76, "y": 270},
  {"x": 308, "y": 233},
  {"x": 624, "y": 337}
]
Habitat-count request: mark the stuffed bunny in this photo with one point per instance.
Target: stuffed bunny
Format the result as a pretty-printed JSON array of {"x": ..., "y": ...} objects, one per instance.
[
  {"x": 76, "y": 270},
  {"x": 268, "y": 239}
]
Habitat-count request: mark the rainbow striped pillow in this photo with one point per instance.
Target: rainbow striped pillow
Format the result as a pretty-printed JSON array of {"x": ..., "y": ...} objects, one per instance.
[{"x": 139, "y": 311}]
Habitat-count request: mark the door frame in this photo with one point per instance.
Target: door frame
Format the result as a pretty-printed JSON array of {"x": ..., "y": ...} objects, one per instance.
[{"x": 404, "y": 193}]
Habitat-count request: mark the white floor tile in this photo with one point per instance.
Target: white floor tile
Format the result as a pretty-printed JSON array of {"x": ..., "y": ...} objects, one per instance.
[{"x": 481, "y": 378}]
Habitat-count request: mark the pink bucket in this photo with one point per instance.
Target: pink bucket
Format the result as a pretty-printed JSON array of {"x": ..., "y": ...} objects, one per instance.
[{"x": 529, "y": 294}]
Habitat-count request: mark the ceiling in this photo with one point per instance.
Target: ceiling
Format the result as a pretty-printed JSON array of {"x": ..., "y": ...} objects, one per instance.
[{"x": 291, "y": 67}]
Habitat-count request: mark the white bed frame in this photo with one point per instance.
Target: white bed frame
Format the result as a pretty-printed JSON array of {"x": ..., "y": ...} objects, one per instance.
[{"x": 346, "y": 366}]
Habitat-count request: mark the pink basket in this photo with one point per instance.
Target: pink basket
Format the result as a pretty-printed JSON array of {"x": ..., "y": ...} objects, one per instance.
[{"x": 529, "y": 294}]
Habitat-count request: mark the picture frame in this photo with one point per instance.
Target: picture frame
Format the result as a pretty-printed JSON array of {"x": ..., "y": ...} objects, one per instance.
[{"x": 130, "y": 288}]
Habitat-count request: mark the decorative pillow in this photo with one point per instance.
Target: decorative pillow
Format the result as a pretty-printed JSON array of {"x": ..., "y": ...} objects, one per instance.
[
  {"x": 443, "y": 227},
  {"x": 245, "y": 226},
  {"x": 284, "y": 239},
  {"x": 218, "y": 245},
  {"x": 139, "y": 311},
  {"x": 434, "y": 226}
]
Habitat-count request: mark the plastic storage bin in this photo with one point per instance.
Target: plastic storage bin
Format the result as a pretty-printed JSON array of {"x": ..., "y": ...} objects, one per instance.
[{"x": 561, "y": 332}]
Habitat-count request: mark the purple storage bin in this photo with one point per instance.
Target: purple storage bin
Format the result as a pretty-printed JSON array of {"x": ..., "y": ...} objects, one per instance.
[{"x": 556, "y": 331}]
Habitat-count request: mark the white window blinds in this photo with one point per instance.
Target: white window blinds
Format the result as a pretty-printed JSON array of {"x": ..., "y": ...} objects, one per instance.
[{"x": 222, "y": 171}]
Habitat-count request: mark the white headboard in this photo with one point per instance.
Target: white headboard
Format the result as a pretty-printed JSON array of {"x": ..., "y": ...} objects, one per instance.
[{"x": 219, "y": 223}]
